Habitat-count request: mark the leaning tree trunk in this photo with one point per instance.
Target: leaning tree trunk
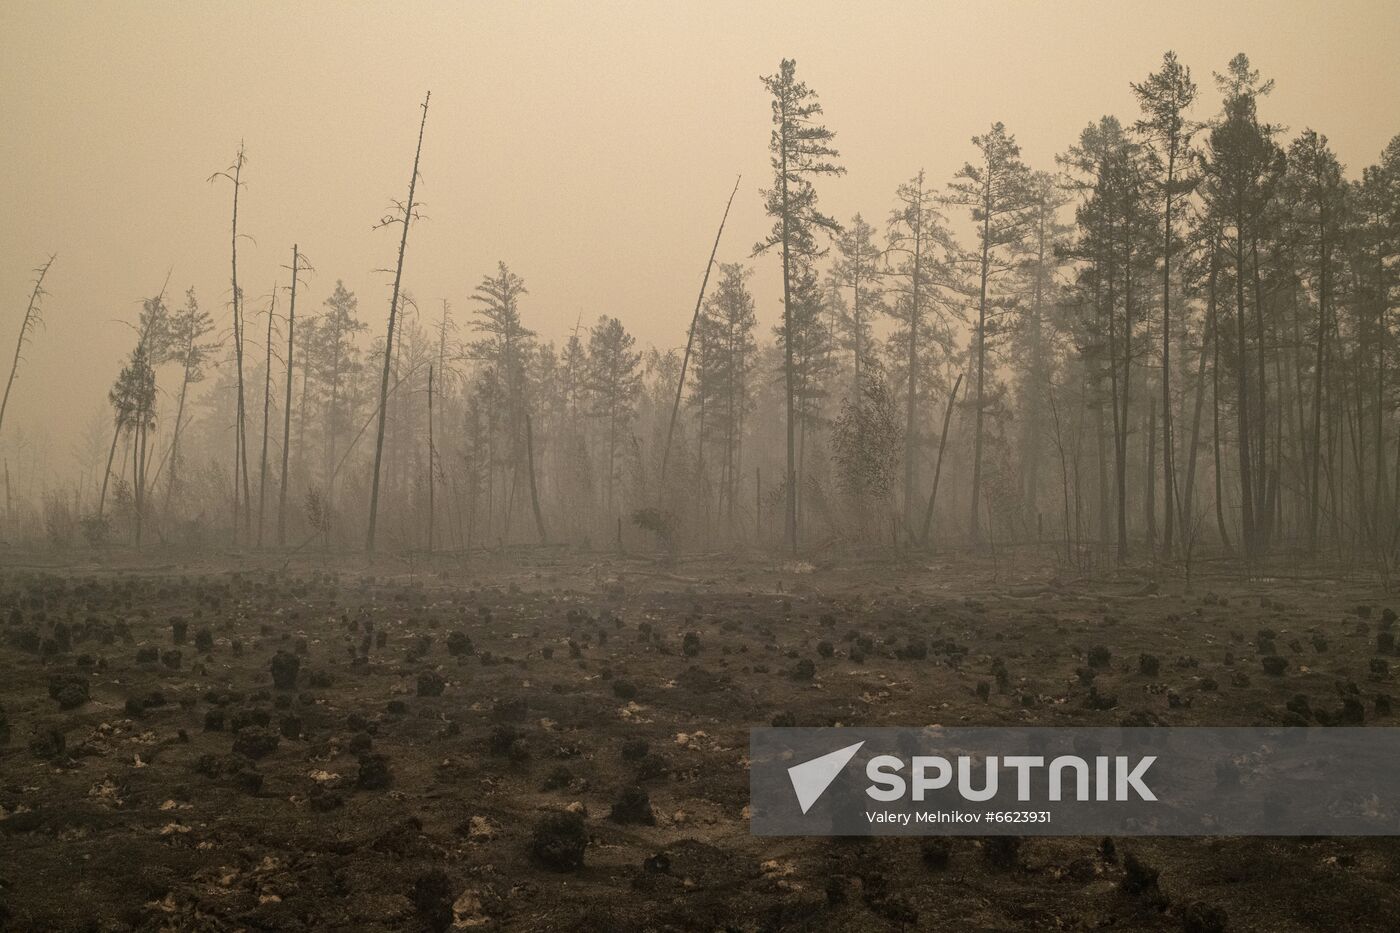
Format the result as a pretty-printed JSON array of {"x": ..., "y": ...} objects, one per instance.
[
  {"x": 938, "y": 466},
  {"x": 175, "y": 439},
  {"x": 31, "y": 318},
  {"x": 690, "y": 338},
  {"x": 407, "y": 220},
  {"x": 107, "y": 474},
  {"x": 534, "y": 491}
]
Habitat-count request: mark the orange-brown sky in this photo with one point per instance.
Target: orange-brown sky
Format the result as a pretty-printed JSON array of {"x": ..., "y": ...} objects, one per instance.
[{"x": 590, "y": 145}]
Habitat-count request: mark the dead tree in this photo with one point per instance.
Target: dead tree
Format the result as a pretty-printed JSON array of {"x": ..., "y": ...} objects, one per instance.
[
  {"x": 267, "y": 410},
  {"x": 690, "y": 338},
  {"x": 407, "y": 213},
  {"x": 240, "y": 453},
  {"x": 534, "y": 492},
  {"x": 32, "y": 318},
  {"x": 938, "y": 468},
  {"x": 298, "y": 264},
  {"x": 433, "y": 468}
]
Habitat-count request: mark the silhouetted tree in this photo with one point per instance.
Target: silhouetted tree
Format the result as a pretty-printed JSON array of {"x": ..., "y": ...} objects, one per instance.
[
  {"x": 613, "y": 383},
  {"x": 857, "y": 268},
  {"x": 32, "y": 320},
  {"x": 800, "y": 150},
  {"x": 917, "y": 265},
  {"x": 404, "y": 215},
  {"x": 1165, "y": 97},
  {"x": 504, "y": 346},
  {"x": 234, "y": 174},
  {"x": 995, "y": 189},
  {"x": 188, "y": 348}
]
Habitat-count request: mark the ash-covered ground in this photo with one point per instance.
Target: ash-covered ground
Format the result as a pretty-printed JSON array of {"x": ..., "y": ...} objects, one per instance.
[{"x": 552, "y": 740}]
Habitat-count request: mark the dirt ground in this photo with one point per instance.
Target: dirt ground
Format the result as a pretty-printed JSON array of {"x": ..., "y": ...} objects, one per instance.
[{"x": 238, "y": 744}]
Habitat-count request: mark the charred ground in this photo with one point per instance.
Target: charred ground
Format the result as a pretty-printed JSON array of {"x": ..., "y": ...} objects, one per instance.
[{"x": 556, "y": 740}]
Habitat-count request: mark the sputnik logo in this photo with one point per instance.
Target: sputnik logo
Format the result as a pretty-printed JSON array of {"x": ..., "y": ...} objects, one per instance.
[{"x": 811, "y": 778}]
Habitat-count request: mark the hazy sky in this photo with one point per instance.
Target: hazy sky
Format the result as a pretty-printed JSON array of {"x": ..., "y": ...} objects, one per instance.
[{"x": 589, "y": 145}]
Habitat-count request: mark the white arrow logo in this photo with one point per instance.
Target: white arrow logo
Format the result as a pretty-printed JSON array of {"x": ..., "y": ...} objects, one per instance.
[{"x": 811, "y": 778}]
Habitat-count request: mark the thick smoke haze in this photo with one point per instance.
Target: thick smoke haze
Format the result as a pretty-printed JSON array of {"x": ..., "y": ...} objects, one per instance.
[
  {"x": 1038, "y": 415},
  {"x": 589, "y": 146}
]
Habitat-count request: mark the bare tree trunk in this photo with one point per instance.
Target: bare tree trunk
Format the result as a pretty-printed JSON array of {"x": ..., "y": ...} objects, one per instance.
[
  {"x": 1127, "y": 384},
  {"x": 287, "y": 404},
  {"x": 701, "y": 488},
  {"x": 938, "y": 466},
  {"x": 1150, "y": 484},
  {"x": 729, "y": 428},
  {"x": 179, "y": 419},
  {"x": 1064, "y": 471},
  {"x": 1168, "y": 464},
  {"x": 1213, "y": 325},
  {"x": 1302, "y": 435},
  {"x": 107, "y": 474},
  {"x": 138, "y": 472},
  {"x": 473, "y": 484},
  {"x": 331, "y": 429},
  {"x": 27, "y": 324},
  {"x": 431, "y": 458},
  {"x": 534, "y": 491},
  {"x": 1101, "y": 434},
  {"x": 980, "y": 336},
  {"x": 407, "y": 221},
  {"x": 302, "y": 468},
  {"x": 1378, "y": 498},
  {"x": 791, "y": 513},
  {"x": 802, "y": 451},
  {"x": 240, "y": 443},
  {"x": 1263, "y": 507},
  {"x": 690, "y": 338},
  {"x": 267, "y": 410},
  {"x": 1188, "y": 489},
  {"x": 1243, "y": 405},
  {"x": 910, "y": 424},
  {"x": 1038, "y": 372},
  {"x": 1118, "y": 407}
]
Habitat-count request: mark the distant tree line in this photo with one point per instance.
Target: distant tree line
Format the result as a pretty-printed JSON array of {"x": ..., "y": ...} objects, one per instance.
[{"x": 1180, "y": 335}]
